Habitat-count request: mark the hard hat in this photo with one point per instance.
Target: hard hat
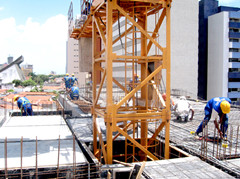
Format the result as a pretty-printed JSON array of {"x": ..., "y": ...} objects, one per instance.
[
  {"x": 16, "y": 98},
  {"x": 67, "y": 74},
  {"x": 73, "y": 74},
  {"x": 182, "y": 98},
  {"x": 225, "y": 106}
]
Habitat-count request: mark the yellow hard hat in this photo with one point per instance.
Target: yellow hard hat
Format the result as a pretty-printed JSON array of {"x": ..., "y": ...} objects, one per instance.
[
  {"x": 73, "y": 74},
  {"x": 67, "y": 74},
  {"x": 225, "y": 106},
  {"x": 16, "y": 97}
]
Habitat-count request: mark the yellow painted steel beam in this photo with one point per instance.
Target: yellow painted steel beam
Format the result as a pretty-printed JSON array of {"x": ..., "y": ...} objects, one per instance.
[
  {"x": 89, "y": 19},
  {"x": 158, "y": 25},
  {"x": 137, "y": 144},
  {"x": 100, "y": 30},
  {"x": 116, "y": 40},
  {"x": 94, "y": 85},
  {"x": 139, "y": 57},
  {"x": 146, "y": 114},
  {"x": 144, "y": 82},
  {"x": 157, "y": 131},
  {"x": 98, "y": 6},
  {"x": 139, "y": 27},
  {"x": 109, "y": 58},
  {"x": 101, "y": 141},
  {"x": 168, "y": 77},
  {"x": 117, "y": 83},
  {"x": 100, "y": 87},
  {"x": 117, "y": 135}
]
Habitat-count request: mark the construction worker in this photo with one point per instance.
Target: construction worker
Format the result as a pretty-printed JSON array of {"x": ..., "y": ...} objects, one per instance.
[
  {"x": 73, "y": 80},
  {"x": 136, "y": 80},
  {"x": 24, "y": 105},
  {"x": 182, "y": 108},
  {"x": 74, "y": 93},
  {"x": 67, "y": 81},
  {"x": 216, "y": 107}
]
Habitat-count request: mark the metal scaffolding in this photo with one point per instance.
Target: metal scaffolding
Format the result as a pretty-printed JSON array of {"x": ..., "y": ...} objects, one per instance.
[{"x": 99, "y": 24}]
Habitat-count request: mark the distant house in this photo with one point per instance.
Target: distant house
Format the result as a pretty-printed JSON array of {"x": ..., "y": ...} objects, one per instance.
[{"x": 11, "y": 72}]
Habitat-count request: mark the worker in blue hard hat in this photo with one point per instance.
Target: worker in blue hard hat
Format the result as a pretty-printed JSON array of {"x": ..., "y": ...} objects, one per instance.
[
  {"x": 216, "y": 108},
  {"x": 24, "y": 105},
  {"x": 67, "y": 81},
  {"x": 73, "y": 80}
]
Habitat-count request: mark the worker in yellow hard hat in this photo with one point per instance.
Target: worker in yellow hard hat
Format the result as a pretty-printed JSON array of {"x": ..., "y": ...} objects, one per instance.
[
  {"x": 73, "y": 80},
  {"x": 216, "y": 108},
  {"x": 24, "y": 105},
  {"x": 67, "y": 81}
]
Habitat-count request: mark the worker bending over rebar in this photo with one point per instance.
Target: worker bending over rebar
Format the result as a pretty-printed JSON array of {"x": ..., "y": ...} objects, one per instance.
[
  {"x": 24, "y": 105},
  {"x": 216, "y": 107}
]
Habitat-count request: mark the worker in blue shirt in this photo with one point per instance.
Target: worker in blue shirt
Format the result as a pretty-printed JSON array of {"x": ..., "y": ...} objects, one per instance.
[
  {"x": 216, "y": 107},
  {"x": 74, "y": 93},
  {"x": 24, "y": 105},
  {"x": 73, "y": 80},
  {"x": 67, "y": 81}
]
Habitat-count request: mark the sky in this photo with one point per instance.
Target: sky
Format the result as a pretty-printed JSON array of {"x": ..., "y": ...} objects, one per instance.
[{"x": 37, "y": 30}]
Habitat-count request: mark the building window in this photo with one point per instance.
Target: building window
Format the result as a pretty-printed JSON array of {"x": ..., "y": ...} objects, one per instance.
[
  {"x": 234, "y": 20},
  {"x": 234, "y": 69},
  {"x": 75, "y": 55},
  {"x": 234, "y": 30},
  {"x": 233, "y": 50},
  {"x": 234, "y": 59},
  {"x": 233, "y": 40}
]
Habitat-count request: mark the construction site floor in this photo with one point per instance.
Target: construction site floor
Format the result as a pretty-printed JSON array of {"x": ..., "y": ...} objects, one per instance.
[{"x": 49, "y": 133}]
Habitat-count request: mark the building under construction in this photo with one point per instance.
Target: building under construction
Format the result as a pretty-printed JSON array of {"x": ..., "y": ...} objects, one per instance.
[{"x": 121, "y": 126}]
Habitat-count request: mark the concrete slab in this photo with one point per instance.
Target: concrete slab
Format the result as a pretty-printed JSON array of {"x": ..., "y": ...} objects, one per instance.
[
  {"x": 47, "y": 129},
  {"x": 44, "y": 127},
  {"x": 189, "y": 167}
]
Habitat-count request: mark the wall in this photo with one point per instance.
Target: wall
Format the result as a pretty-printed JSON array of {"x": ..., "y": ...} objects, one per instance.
[
  {"x": 218, "y": 54},
  {"x": 73, "y": 65},
  {"x": 10, "y": 74},
  {"x": 184, "y": 45}
]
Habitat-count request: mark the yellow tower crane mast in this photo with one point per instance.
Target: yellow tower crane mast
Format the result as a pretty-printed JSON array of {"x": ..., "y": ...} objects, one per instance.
[{"x": 99, "y": 22}]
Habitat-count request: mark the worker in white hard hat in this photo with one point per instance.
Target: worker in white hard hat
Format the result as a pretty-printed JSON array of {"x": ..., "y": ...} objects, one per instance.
[
  {"x": 216, "y": 108},
  {"x": 182, "y": 109},
  {"x": 73, "y": 80},
  {"x": 24, "y": 105}
]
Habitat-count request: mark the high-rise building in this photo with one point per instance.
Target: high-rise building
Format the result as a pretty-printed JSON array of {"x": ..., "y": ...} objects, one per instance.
[
  {"x": 206, "y": 9},
  {"x": 73, "y": 65},
  {"x": 224, "y": 54}
]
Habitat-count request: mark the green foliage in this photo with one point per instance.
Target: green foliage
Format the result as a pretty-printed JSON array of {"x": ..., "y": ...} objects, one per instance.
[
  {"x": 35, "y": 89},
  {"x": 29, "y": 82},
  {"x": 17, "y": 83},
  {"x": 10, "y": 91}
]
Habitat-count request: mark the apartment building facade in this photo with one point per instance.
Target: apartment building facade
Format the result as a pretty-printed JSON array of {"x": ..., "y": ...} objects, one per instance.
[{"x": 224, "y": 55}]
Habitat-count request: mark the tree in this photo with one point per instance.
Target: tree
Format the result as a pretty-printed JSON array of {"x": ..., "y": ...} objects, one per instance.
[
  {"x": 17, "y": 83},
  {"x": 29, "y": 82}
]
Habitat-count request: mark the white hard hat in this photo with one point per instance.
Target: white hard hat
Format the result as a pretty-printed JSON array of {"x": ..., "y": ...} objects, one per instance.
[{"x": 182, "y": 98}]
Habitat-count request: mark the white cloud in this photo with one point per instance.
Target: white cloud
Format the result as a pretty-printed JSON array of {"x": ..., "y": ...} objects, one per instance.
[
  {"x": 43, "y": 45},
  {"x": 1, "y": 8}
]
